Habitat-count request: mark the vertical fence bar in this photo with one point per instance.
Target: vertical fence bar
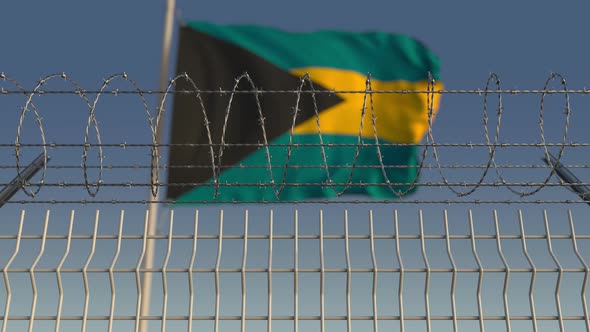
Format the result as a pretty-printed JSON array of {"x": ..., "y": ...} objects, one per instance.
[
  {"x": 137, "y": 271},
  {"x": 401, "y": 274},
  {"x": 375, "y": 270},
  {"x": 586, "y": 270},
  {"x": 348, "y": 273},
  {"x": 112, "y": 274},
  {"x": 85, "y": 272},
  {"x": 454, "y": 278},
  {"x": 6, "y": 269},
  {"x": 164, "y": 270},
  {"x": 32, "y": 272},
  {"x": 322, "y": 276},
  {"x": 480, "y": 272},
  {"x": 296, "y": 272},
  {"x": 191, "y": 272},
  {"x": 270, "y": 232},
  {"x": 559, "y": 275},
  {"x": 506, "y": 275},
  {"x": 427, "y": 281},
  {"x": 534, "y": 274},
  {"x": 58, "y": 274},
  {"x": 243, "y": 273},
  {"x": 217, "y": 267}
]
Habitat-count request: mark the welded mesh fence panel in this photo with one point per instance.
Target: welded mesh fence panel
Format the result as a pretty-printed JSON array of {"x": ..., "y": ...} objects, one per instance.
[
  {"x": 296, "y": 277},
  {"x": 454, "y": 255}
]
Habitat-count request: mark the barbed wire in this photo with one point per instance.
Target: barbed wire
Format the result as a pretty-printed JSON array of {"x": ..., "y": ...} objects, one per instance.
[
  {"x": 216, "y": 149},
  {"x": 310, "y": 201},
  {"x": 427, "y": 166},
  {"x": 325, "y": 91}
]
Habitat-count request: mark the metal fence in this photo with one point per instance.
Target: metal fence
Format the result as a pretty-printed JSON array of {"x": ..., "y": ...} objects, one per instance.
[
  {"x": 389, "y": 280},
  {"x": 454, "y": 256}
]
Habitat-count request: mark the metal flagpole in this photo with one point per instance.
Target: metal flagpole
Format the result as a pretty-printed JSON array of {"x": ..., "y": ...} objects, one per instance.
[{"x": 153, "y": 206}]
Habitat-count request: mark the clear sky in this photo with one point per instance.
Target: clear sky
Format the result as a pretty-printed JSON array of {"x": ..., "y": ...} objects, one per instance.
[{"x": 521, "y": 41}]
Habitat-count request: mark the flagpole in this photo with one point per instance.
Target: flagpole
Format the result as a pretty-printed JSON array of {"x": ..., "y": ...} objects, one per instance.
[{"x": 153, "y": 205}]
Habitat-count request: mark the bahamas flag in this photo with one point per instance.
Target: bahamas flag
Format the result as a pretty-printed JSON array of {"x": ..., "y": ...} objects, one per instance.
[{"x": 318, "y": 156}]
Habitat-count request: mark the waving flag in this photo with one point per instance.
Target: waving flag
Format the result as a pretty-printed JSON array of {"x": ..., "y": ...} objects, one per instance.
[{"x": 214, "y": 56}]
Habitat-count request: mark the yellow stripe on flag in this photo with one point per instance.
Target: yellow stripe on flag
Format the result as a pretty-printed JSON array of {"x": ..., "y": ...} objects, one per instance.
[{"x": 400, "y": 118}]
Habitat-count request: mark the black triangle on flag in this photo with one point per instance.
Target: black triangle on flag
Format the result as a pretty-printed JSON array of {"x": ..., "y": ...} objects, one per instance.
[{"x": 214, "y": 64}]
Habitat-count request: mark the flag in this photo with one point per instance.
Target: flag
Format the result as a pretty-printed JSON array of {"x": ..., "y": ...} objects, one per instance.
[{"x": 264, "y": 154}]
